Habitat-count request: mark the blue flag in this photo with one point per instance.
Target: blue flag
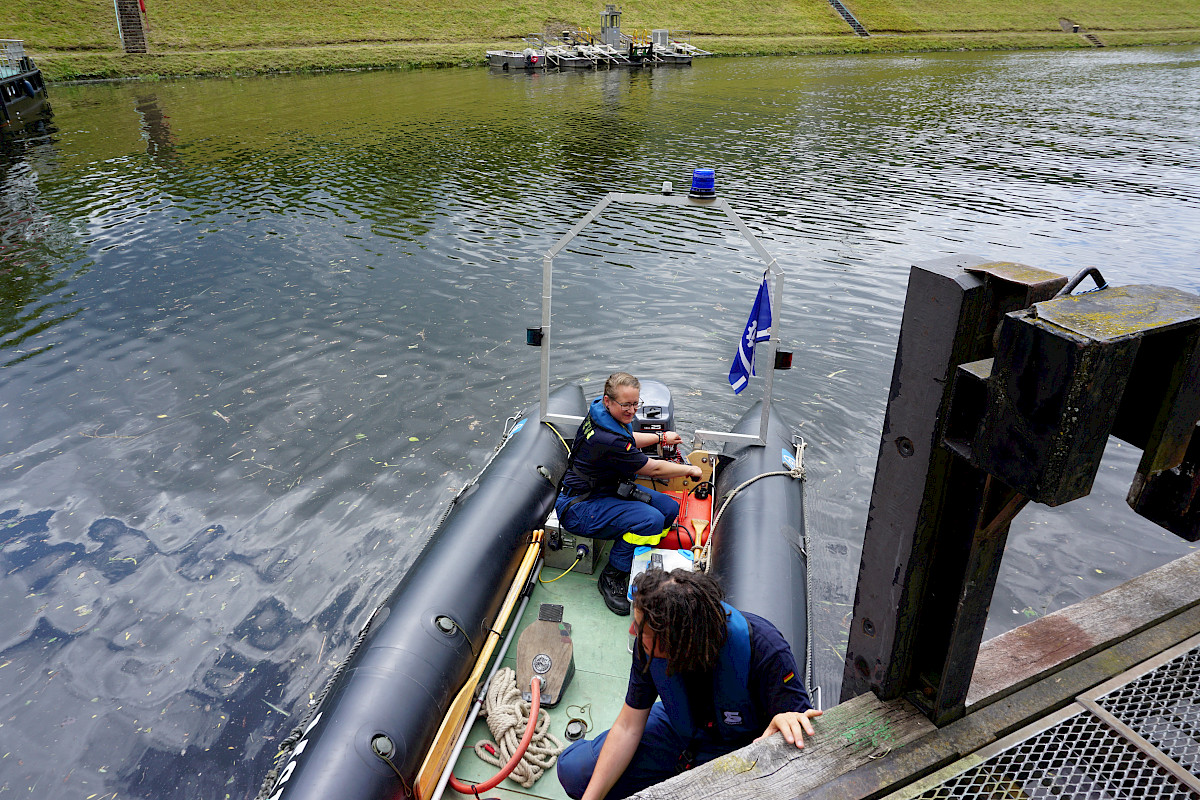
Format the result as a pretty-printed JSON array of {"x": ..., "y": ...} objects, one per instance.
[{"x": 758, "y": 329}]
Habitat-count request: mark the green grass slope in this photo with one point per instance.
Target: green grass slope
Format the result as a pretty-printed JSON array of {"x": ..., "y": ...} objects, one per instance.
[
  {"x": 945, "y": 16},
  {"x": 79, "y": 39},
  {"x": 191, "y": 25}
]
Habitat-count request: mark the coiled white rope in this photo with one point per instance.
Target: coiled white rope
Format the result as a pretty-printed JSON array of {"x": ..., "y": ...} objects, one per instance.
[{"x": 507, "y": 715}]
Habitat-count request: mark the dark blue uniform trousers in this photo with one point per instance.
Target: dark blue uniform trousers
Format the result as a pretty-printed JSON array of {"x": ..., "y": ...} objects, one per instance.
[
  {"x": 656, "y": 759},
  {"x": 609, "y": 518}
]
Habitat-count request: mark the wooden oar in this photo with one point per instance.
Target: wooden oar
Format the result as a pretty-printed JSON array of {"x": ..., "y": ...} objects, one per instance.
[{"x": 440, "y": 751}]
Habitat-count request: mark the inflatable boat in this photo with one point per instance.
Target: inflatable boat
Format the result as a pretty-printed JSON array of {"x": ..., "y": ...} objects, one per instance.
[{"x": 394, "y": 721}]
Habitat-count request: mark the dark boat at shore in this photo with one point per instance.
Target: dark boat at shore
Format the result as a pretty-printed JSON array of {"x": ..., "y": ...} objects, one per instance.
[{"x": 23, "y": 99}]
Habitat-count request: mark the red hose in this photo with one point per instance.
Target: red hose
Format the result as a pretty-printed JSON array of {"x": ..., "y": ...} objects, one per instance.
[{"x": 492, "y": 783}]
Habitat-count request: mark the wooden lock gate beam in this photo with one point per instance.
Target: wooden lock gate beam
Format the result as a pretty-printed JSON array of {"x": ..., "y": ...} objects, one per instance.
[{"x": 1001, "y": 394}]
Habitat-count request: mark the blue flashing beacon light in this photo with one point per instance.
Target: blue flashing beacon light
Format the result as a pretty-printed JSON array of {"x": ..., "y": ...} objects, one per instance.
[{"x": 704, "y": 183}]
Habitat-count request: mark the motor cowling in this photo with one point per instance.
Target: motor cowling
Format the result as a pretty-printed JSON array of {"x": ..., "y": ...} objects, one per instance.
[{"x": 657, "y": 412}]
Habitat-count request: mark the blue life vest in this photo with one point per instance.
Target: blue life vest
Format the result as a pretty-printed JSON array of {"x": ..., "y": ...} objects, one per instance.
[
  {"x": 599, "y": 432},
  {"x": 731, "y": 686}
]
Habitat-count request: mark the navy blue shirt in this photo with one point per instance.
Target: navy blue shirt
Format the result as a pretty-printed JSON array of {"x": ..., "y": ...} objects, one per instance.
[
  {"x": 774, "y": 685},
  {"x": 602, "y": 459}
]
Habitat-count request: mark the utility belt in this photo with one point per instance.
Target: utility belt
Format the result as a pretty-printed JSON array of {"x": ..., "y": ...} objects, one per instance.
[
  {"x": 575, "y": 498},
  {"x": 626, "y": 490}
]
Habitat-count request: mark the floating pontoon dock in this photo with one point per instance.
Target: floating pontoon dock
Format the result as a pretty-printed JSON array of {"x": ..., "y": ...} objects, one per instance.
[{"x": 578, "y": 48}]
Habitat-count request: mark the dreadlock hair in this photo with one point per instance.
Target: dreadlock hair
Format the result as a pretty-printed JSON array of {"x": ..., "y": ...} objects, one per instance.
[{"x": 683, "y": 610}]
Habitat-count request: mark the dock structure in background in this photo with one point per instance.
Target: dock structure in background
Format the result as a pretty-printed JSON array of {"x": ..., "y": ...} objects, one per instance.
[
  {"x": 1005, "y": 391},
  {"x": 579, "y": 48}
]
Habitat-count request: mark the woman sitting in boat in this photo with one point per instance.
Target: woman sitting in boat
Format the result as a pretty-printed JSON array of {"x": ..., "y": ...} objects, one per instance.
[
  {"x": 726, "y": 678},
  {"x": 598, "y": 498}
]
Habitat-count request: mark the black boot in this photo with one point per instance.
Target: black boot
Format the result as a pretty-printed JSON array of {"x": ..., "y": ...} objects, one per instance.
[{"x": 614, "y": 588}]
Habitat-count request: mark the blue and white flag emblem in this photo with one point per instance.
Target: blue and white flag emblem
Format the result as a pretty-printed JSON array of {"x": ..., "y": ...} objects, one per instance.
[{"x": 758, "y": 329}]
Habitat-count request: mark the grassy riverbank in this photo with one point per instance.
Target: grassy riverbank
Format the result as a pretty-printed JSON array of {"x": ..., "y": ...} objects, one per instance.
[{"x": 77, "y": 39}]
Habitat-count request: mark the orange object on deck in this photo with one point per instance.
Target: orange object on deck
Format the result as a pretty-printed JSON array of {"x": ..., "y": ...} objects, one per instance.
[{"x": 691, "y": 528}]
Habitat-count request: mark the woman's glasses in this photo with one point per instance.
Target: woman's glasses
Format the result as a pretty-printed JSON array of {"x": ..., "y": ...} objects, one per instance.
[{"x": 626, "y": 406}]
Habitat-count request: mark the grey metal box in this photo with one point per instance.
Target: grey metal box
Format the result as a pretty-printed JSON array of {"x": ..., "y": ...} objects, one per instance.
[{"x": 565, "y": 556}]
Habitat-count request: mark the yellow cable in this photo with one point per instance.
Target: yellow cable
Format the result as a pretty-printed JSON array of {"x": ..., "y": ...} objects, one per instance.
[
  {"x": 559, "y": 435},
  {"x": 552, "y": 580}
]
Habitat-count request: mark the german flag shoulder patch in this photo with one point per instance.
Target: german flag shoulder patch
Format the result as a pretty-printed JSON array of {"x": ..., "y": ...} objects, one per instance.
[{"x": 789, "y": 676}]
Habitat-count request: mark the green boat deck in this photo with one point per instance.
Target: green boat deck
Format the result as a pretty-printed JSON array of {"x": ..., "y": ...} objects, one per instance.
[{"x": 602, "y": 661}]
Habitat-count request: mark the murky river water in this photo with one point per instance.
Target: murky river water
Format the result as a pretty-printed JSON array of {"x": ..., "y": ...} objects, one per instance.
[{"x": 255, "y": 333}]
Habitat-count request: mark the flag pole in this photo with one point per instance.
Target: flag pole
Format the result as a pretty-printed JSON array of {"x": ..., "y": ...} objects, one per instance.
[{"x": 772, "y": 346}]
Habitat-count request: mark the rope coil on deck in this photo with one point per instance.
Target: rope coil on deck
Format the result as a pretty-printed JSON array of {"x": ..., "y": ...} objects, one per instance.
[{"x": 507, "y": 715}]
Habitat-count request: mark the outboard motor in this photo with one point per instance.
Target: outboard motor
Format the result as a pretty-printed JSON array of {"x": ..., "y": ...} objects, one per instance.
[
  {"x": 531, "y": 57},
  {"x": 657, "y": 412}
]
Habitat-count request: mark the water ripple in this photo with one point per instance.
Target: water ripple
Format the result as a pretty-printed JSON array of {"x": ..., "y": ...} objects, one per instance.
[{"x": 248, "y": 356}]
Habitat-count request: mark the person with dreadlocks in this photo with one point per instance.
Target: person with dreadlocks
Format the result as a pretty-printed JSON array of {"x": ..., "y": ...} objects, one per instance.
[{"x": 725, "y": 678}]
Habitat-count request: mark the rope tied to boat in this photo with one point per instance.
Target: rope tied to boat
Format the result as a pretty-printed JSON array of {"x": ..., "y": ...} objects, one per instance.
[
  {"x": 798, "y": 472},
  {"x": 507, "y": 716}
]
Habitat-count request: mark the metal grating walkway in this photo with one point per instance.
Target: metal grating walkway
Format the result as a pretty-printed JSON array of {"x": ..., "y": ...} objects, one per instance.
[{"x": 1136, "y": 736}]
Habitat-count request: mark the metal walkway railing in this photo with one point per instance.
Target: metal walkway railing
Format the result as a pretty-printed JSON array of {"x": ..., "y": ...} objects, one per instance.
[{"x": 1136, "y": 736}]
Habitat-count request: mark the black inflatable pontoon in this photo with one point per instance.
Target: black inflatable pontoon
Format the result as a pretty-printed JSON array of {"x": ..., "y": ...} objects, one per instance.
[
  {"x": 369, "y": 736},
  {"x": 758, "y": 548}
]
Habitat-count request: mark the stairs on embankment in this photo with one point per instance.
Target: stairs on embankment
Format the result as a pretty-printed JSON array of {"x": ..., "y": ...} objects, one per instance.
[
  {"x": 845, "y": 14},
  {"x": 1071, "y": 26},
  {"x": 129, "y": 22}
]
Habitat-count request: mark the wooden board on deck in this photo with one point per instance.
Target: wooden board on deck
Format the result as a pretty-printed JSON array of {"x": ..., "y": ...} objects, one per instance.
[
  {"x": 545, "y": 648},
  {"x": 1014, "y": 659}
]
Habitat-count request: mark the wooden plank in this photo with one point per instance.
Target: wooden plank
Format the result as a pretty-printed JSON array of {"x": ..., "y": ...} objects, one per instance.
[
  {"x": 545, "y": 649},
  {"x": 981, "y": 727},
  {"x": 437, "y": 759},
  {"x": 848, "y": 735},
  {"x": 1016, "y": 658},
  {"x": 865, "y": 748}
]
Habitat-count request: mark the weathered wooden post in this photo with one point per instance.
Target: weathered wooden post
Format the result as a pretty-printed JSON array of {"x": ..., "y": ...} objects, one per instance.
[
  {"x": 1002, "y": 394},
  {"x": 927, "y": 501}
]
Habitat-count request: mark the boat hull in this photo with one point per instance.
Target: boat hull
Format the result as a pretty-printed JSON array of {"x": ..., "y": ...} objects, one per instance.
[
  {"x": 23, "y": 99},
  {"x": 405, "y": 674},
  {"x": 514, "y": 60},
  {"x": 758, "y": 548}
]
